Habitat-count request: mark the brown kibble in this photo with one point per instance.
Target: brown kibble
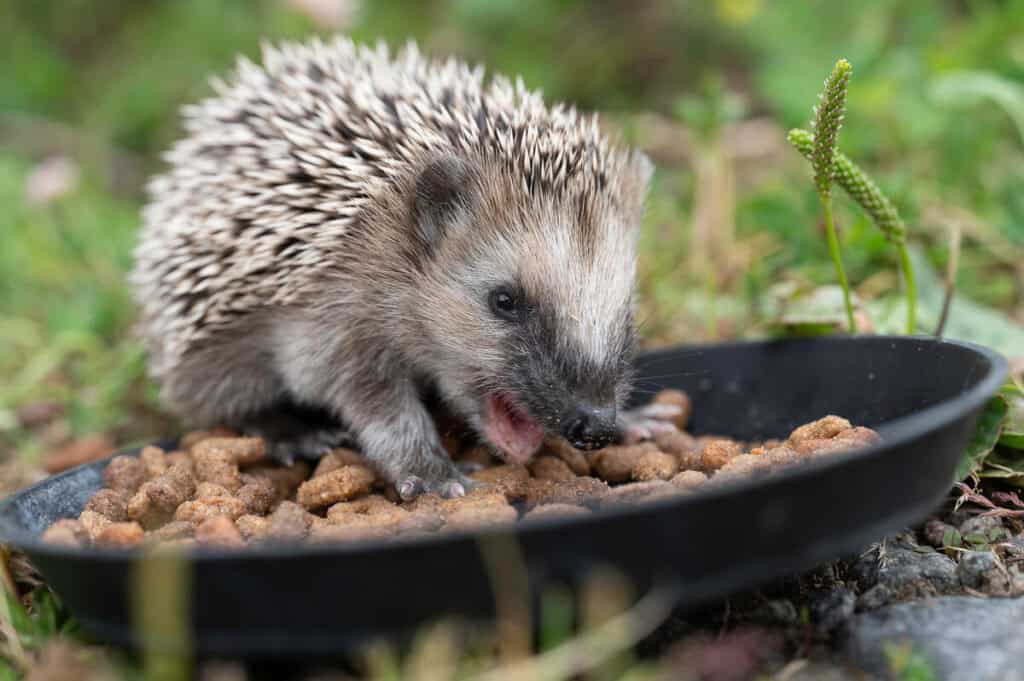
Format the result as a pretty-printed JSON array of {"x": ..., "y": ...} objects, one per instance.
[
  {"x": 345, "y": 483},
  {"x": 579, "y": 491},
  {"x": 741, "y": 466},
  {"x": 124, "y": 474},
  {"x": 676, "y": 398},
  {"x": 509, "y": 479},
  {"x": 555, "y": 511},
  {"x": 210, "y": 490},
  {"x": 286, "y": 479},
  {"x": 200, "y": 510},
  {"x": 655, "y": 466},
  {"x": 677, "y": 442},
  {"x": 66, "y": 532},
  {"x": 93, "y": 523},
  {"x": 142, "y": 510},
  {"x": 253, "y": 528},
  {"x": 328, "y": 533},
  {"x": 220, "y": 532},
  {"x": 717, "y": 453},
  {"x": 214, "y": 464},
  {"x": 574, "y": 458},
  {"x": 240, "y": 451},
  {"x": 179, "y": 458},
  {"x": 120, "y": 535},
  {"x": 472, "y": 512},
  {"x": 110, "y": 504},
  {"x": 823, "y": 428},
  {"x": 289, "y": 522},
  {"x": 551, "y": 468},
  {"x": 154, "y": 461},
  {"x": 639, "y": 491},
  {"x": 335, "y": 459},
  {"x": 174, "y": 487},
  {"x": 176, "y": 529},
  {"x": 85, "y": 449},
  {"x": 615, "y": 464},
  {"x": 191, "y": 439},
  {"x": 688, "y": 480},
  {"x": 852, "y": 438},
  {"x": 258, "y": 496}
]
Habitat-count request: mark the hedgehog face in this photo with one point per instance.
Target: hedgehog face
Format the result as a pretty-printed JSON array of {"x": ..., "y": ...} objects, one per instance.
[{"x": 537, "y": 333}]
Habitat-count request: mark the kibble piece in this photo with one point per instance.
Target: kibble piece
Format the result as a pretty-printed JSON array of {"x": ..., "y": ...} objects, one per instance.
[
  {"x": 191, "y": 439},
  {"x": 124, "y": 474},
  {"x": 240, "y": 451},
  {"x": 120, "y": 535},
  {"x": 179, "y": 458},
  {"x": 555, "y": 511},
  {"x": 851, "y": 438},
  {"x": 329, "y": 533},
  {"x": 580, "y": 491},
  {"x": 741, "y": 466},
  {"x": 176, "y": 529},
  {"x": 477, "y": 511},
  {"x": 717, "y": 453},
  {"x": 655, "y": 466},
  {"x": 551, "y": 468},
  {"x": 153, "y": 460},
  {"x": 200, "y": 510},
  {"x": 253, "y": 528},
  {"x": 66, "y": 532},
  {"x": 676, "y": 442},
  {"x": 289, "y": 522},
  {"x": 345, "y": 483},
  {"x": 211, "y": 490},
  {"x": 286, "y": 479},
  {"x": 110, "y": 504},
  {"x": 258, "y": 496},
  {"x": 615, "y": 464},
  {"x": 823, "y": 428},
  {"x": 220, "y": 532},
  {"x": 214, "y": 464},
  {"x": 335, "y": 459},
  {"x": 639, "y": 491},
  {"x": 142, "y": 510},
  {"x": 678, "y": 399},
  {"x": 688, "y": 480},
  {"x": 509, "y": 479},
  {"x": 176, "y": 486},
  {"x": 93, "y": 523},
  {"x": 575, "y": 459}
]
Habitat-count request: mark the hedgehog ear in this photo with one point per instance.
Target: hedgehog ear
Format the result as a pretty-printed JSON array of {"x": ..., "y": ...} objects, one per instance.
[{"x": 443, "y": 192}]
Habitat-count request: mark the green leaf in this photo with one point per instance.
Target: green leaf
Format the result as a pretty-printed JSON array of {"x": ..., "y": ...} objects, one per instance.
[
  {"x": 986, "y": 434},
  {"x": 1013, "y": 427},
  {"x": 951, "y": 537}
]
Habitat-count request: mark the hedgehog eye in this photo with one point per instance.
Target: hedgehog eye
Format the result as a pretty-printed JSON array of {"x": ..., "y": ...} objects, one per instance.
[{"x": 504, "y": 304}]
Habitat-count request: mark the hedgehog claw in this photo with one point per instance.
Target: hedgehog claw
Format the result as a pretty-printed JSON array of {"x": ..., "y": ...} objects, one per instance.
[{"x": 413, "y": 486}]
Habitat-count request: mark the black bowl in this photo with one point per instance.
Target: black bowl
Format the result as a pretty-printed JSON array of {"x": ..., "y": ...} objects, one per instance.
[{"x": 922, "y": 395}]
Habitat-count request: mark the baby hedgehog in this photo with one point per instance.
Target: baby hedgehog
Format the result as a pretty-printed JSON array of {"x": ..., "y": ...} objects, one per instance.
[{"x": 343, "y": 232}]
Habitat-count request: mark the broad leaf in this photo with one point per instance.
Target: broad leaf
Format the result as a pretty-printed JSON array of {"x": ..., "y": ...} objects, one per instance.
[{"x": 986, "y": 434}]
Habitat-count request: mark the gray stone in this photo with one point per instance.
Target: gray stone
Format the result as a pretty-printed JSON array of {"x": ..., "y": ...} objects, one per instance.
[
  {"x": 962, "y": 638},
  {"x": 981, "y": 571},
  {"x": 906, "y": 571},
  {"x": 987, "y": 526},
  {"x": 831, "y": 609}
]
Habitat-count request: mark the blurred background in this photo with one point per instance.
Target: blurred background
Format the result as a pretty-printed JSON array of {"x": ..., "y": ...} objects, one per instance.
[{"x": 733, "y": 244}]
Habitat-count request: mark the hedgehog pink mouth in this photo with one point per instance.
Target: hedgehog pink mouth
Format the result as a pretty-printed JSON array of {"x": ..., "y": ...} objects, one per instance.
[{"x": 510, "y": 428}]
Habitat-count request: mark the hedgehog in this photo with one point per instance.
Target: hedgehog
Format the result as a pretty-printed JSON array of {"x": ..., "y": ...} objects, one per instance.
[{"x": 345, "y": 234}]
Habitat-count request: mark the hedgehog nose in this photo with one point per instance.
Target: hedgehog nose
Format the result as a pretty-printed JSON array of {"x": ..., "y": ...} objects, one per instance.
[{"x": 590, "y": 427}]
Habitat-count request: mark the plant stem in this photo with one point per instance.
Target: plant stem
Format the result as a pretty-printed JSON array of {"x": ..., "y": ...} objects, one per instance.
[
  {"x": 908, "y": 277},
  {"x": 833, "y": 248}
]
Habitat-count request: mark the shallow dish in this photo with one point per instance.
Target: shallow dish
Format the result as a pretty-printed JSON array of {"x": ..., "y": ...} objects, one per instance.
[{"x": 922, "y": 395}]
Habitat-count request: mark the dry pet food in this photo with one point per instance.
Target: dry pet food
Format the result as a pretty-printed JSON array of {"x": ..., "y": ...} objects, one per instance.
[{"x": 221, "y": 491}]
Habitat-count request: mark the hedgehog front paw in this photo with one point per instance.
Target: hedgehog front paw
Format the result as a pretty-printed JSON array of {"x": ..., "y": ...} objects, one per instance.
[
  {"x": 643, "y": 423},
  {"x": 413, "y": 486}
]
